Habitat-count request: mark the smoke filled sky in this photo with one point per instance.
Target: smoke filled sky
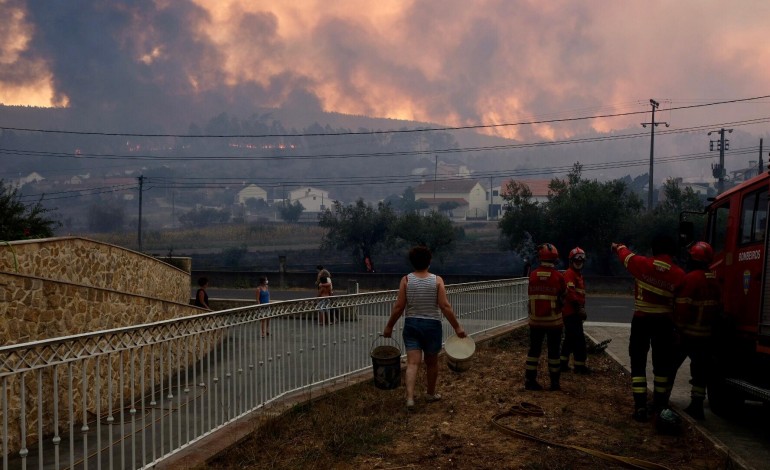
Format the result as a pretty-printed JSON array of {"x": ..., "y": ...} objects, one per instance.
[{"x": 451, "y": 62}]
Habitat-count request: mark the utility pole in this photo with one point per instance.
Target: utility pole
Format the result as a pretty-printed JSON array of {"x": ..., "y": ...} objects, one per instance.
[
  {"x": 435, "y": 175},
  {"x": 719, "y": 170},
  {"x": 760, "y": 165},
  {"x": 652, "y": 125},
  {"x": 491, "y": 198},
  {"x": 139, "y": 231}
]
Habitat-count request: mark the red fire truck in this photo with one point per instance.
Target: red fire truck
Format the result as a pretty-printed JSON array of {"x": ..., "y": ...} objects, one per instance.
[{"x": 736, "y": 225}]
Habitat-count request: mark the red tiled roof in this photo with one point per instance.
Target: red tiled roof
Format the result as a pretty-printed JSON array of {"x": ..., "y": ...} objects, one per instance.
[
  {"x": 539, "y": 188},
  {"x": 446, "y": 186}
]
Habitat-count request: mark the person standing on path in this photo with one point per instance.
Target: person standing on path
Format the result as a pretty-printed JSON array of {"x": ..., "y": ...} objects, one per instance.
[
  {"x": 325, "y": 290},
  {"x": 656, "y": 278},
  {"x": 546, "y": 291},
  {"x": 422, "y": 300},
  {"x": 201, "y": 297},
  {"x": 697, "y": 304},
  {"x": 574, "y": 313},
  {"x": 263, "y": 297},
  {"x": 322, "y": 272}
]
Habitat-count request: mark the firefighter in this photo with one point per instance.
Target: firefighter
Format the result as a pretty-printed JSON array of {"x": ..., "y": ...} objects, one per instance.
[
  {"x": 656, "y": 278},
  {"x": 574, "y": 313},
  {"x": 546, "y": 291},
  {"x": 697, "y": 304}
]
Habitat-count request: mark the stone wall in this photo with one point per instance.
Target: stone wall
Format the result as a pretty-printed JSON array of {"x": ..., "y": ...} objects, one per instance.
[
  {"x": 90, "y": 263},
  {"x": 66, "y": 286},
  {"x": 32, "y": 309}
]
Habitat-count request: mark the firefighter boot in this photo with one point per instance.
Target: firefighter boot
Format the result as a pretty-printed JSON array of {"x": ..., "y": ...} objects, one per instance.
[
  {"x": 582, "y": 370},
  {"x": 695, "y": 408},
  {"x": 640, "y": 407},
  {"x": 555, "y": 381},
  {"x": 530, "y": 381}
]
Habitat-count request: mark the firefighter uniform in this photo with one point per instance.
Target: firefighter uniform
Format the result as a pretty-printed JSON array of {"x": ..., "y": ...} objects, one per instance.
[
  {"x": 697, "y": 305},
  {"x": 546, "y": 291},
  {"x": 574, "y": 314},
  {"x": 656, "y": 279}
]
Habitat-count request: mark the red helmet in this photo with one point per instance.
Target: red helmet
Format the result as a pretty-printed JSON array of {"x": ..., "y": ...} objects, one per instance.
[
  {"x": 701, "y": 251},
  {"x": 547, "y": 252},
  {"x": 577, "y": 254}
]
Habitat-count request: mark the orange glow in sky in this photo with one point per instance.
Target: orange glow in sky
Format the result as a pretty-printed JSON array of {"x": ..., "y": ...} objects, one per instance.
[{"x": 448, "y": 62}]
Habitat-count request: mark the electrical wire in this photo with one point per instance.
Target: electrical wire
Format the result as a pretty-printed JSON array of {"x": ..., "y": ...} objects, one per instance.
[
  {"x": 489, "y": 148},
  {"x": 398, "y": 131}
]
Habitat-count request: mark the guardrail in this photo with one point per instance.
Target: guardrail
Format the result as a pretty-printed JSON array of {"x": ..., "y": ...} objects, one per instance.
[{"x": 130, "y": 397}]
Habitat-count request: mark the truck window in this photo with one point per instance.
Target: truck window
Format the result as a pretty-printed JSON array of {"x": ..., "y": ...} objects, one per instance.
[
  {"x": 718, "y": 227},
  {"x": 753, "y": 217}
]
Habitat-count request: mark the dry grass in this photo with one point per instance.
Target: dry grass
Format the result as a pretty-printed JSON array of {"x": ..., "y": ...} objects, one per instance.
[
  {"x": 220, "y": 236},
  {"x": 364, "y": 427}
]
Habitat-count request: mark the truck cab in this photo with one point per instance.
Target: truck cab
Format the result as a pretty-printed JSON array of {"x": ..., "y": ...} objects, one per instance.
[{"x": 736, "y": 225}]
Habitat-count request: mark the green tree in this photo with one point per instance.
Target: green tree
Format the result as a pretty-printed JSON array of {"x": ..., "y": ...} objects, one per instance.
[
  {"x": 591, "y": 214},
  {"x": 359, "y": 228},
  {"x": 664, "y": 218},
  {"x": 434, "y": 230},
  {"x": 19, "y": 221},
  {"x": 524, "y": 220},
  {"x": 290, "y": 211},
  {"x": 578, "y": 212}
]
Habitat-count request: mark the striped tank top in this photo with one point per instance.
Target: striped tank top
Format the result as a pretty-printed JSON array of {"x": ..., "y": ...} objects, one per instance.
[{"x": 422, "y": 298}]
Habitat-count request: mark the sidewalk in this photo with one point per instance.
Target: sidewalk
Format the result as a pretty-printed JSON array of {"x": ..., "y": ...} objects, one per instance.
[{"x": 748, "y": 445}]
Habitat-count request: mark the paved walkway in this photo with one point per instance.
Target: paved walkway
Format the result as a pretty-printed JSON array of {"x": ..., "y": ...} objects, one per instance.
[{"x": 746, "y": 438}]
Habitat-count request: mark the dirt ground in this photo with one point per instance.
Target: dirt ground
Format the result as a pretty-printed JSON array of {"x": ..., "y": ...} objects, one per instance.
[{"x": 365, "y": 427}]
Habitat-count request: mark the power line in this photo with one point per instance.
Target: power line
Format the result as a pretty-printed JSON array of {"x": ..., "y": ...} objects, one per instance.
[
  {"x": 489, "y": 148},
  {"x": 193, "y": 183},
  {"x": 399, "y": 131}
]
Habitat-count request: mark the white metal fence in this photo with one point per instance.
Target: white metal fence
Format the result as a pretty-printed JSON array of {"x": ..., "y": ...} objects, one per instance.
[{"x": 130, "y": 397}]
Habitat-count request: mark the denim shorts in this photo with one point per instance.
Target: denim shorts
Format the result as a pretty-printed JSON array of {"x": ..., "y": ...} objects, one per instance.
[{"x": 420, "y": 333}]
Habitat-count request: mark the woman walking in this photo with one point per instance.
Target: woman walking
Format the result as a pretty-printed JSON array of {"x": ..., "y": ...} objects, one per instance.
[{"x": 422, "y": 300}]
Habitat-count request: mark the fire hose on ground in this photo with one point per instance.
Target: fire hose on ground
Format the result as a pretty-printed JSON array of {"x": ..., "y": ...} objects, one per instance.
[{"x": 529, "y": 409}]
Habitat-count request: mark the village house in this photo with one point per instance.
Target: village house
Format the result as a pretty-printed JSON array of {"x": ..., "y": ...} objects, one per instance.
[
  {"x": 469, "y": 197},
  {"x": 538, "y": 188},
  {"x": 251, "y": 191},
  {"x": 312, "y": 199}
]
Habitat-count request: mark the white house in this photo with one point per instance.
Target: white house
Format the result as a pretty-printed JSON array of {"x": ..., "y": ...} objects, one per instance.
[
  {"x": 312, "y": 199},
  {"x": 251, "y": 191},
  {"x": 469, "y": 194}
]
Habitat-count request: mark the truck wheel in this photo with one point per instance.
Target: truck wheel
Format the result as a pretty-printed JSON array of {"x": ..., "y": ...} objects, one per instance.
[{"x": 724, "y": 401}]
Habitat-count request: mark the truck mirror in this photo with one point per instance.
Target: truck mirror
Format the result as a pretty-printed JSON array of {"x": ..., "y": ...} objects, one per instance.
[{"x": 686, "y": 233}]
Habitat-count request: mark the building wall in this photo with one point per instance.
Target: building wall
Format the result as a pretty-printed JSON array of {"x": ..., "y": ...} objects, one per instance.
[
  {"x": 57, "y": 287},
  {"x": 251, "y": 191},
  {"x": 477, "y": 202},
  {"x": 90, "y": 263}
]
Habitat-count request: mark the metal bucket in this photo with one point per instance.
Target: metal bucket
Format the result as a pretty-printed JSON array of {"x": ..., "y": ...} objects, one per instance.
[{"x": 386, "y": 363}]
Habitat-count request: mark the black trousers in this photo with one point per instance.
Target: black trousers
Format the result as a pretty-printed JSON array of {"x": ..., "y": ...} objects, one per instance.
[
  {"x": 574, "y": 340},
  {"x": 699, "y": 352},
  {"x": 656, "y": 332},
  {"x": 536, "y": 337}
]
